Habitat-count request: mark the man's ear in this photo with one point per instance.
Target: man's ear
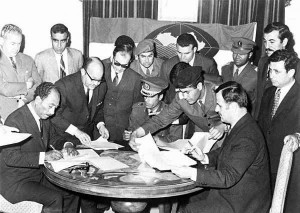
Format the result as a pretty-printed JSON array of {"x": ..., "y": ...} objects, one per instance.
[
  {"x": 199, "y": 86},
  {"x": 136, "y": 57},
  {"x": 250, "y": 55},
  {"x": 160, "y": 96},
  {"x": 82, "y": 71},
  {"x": 194, "y": 49},
  {"x": 291, "y": 72},
  {"x": 1, "y": 40},
  {"x": 284, "y": 42}
]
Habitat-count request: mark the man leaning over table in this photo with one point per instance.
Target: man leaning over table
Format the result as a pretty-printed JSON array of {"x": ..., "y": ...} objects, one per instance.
[
  {"x": 21, "y": 164},
  {"x": 195, "y": 98},
  {"x": 79, "y": 118},
  {"x": 238, "y": 172}
]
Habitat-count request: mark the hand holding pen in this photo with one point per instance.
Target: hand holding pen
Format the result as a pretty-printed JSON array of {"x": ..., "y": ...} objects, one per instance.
[
  {"x": 195, "y": 151},
  {"x": 53, "y": 154}
]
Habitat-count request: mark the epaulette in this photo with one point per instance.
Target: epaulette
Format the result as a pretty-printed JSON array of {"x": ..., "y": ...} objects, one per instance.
[{"x": 138, "y": 104}]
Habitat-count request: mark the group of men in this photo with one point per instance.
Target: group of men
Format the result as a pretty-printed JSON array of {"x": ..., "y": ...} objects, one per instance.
[{"x": 63, "y": 101}]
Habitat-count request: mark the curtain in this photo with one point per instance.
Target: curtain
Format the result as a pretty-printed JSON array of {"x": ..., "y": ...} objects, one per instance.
[
  {"x": 228, "y": 12},
  {"x": 115, "y": 9}
]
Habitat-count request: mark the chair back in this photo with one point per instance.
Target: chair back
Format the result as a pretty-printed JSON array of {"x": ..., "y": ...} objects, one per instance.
[{"x": 282, "y": 179}]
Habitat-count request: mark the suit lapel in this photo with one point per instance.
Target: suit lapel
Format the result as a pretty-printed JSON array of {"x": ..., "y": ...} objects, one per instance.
[
  {"x": 52, "y": 60},
  {"x": 70, "y": 60}
]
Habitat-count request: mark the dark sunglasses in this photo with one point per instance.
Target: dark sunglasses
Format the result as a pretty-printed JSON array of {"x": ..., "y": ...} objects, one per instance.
[
  {"x": 92, "y": 79},
  {"x": 122, "y": 65}
]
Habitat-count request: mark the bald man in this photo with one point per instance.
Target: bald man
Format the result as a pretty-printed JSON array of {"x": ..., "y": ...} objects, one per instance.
[{"x": 80, "y": 111}]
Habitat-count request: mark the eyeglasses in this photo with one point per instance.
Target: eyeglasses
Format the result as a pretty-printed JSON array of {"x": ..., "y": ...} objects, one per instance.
[
  {"x": 92, "y": 79},
  {"x": 122, "y": 65}
]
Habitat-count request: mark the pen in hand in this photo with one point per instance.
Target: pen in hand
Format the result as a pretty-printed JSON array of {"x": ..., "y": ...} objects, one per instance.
[
  {"x": 193, "y": 147},
  {"x": 52, "y": 147}
]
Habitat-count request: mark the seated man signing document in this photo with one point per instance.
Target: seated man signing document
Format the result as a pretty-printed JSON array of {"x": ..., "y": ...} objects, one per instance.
[
  {"x": 238, "y": 172},
  {"x": 21, "y": 167}
]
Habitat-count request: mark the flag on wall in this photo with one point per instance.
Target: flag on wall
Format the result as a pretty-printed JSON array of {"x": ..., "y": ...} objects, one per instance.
[{"x": 211, "y": 38}]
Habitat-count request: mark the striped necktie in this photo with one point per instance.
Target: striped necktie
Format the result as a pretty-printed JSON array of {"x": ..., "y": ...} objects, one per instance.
[
  {"x": 13, "y": 63},
  {"x": 62, "y": 67},
  {"x": 148, "y": 72},
  {"x": 116, "y": 80},
  {"x": 236, "y": 74}
]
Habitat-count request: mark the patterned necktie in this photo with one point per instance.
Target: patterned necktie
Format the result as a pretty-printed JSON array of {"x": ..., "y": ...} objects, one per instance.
[
  {"x": 276, "y": 102},
  {"x": 116, "y": 80},
  {"x": 236, "y": 74},
  {"x": 13, "y": 63},
  {"x": 62, "y": 67},
  {"x": 148, "y": 72}
]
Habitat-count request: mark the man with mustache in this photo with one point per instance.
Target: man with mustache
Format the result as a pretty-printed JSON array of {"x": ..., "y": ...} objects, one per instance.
[{"x": 277, "y": 36}]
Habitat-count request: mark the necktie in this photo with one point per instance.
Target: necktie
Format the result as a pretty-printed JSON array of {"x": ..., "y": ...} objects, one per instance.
[
  {"x": 41, "y": 128},
  {"x": 236, "y": 74},
  {"x": 13, "y": 63},
  {"x": 276, "y": 102},
  {"x": 116, "y": 80},
  {"x": 62, "y": 67},
  {"x": 88, "y": 96},
  {"x": 148, "y": 72}
]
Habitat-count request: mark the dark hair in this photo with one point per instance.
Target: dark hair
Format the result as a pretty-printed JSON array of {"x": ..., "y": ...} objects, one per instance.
[
  {"x": 89, "y": 60},
  {"x": 284, "y": 32},
  {"x": 175, "y": 70},
  {"x": 186, "y": 39},
  {"x": 59, "y": 28},
  {"x": 124, "y": 40},
  {"x": 123, "y": 48},
  {"x": 44, "y": 89},
  {"x": 290, "y": 59},
  {"x": 233, "y": 92}
]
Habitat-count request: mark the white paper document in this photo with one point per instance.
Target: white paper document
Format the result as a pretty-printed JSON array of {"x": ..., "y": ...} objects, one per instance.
[
  {"x": 103, "y": 144},
  {"x": 87, "y": 155},
  {"x": 200, "y": 139},
  {"x": 12, "y": 138},
  {"x": 164, "y": 160}
]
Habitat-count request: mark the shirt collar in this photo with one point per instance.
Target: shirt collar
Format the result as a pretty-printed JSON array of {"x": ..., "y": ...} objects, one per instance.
[
  {"x": 192, "y": 61},
  {"x": 240, "y": 68},
  {"x": 113, "y": 74},
  {"x": 285, "y": 89}
]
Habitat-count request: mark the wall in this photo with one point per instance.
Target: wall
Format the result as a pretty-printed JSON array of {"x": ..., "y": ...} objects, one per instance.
[
  {"x": 292, "y": 20},
  {"x": 36, "y": 17}
]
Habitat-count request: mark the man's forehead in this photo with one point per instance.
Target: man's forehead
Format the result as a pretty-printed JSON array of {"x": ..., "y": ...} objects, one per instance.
[
  {"x": 147, "y": 53},
  {"x": 59, "y": 36},
  {"x": 277, "y": 65},
  {"x": 184, "y": 49},
  {"x": 122, "y": 56},
  {"x": 272, "y": 35}
]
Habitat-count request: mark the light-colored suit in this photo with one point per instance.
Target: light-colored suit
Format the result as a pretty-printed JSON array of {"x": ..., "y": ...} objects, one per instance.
[
  {"x": 13, "y": 82},
  {"x": 136, "y": 66},
  {"x": 47, "y": 65}
]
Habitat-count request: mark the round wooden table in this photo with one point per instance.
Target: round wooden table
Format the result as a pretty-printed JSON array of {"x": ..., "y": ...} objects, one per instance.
[{"x": 128, "y": 188}]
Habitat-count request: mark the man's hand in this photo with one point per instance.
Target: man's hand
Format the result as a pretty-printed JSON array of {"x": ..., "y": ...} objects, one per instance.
[
  {"x": 70, "y": 151},
  {"x": 5, "y": 129},
  {"x": 194, "y": 151},
  {"x": 126, "y": 135},
  {"x": 53, "y": 155},
  {"x": 185, "y": 172},
  {"x": 139, "y": 132},
  {"x": 29, "y": 83},
  {"x": 217, "y": 132},
  {"x": 103, "y": 131},
  {"x": 292, "y": 141},
  {"x": 83, "y": 137}
]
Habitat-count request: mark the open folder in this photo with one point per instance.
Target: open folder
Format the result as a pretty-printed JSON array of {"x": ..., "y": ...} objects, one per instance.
[
  {"x": 162, "y": 160},
  {"x": 12, "y": 138}
]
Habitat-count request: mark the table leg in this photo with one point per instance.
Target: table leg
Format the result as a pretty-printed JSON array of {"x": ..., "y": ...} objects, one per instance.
[{"x": 128, "y": 206}]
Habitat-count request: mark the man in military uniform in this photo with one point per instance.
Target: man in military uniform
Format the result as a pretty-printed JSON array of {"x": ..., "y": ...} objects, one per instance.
[
  {"x": 241, "y": 70},
  {"x": 153, "y": 92},
  {"x": 145, "y": 63},
  {"x": 195, "y": 98}
]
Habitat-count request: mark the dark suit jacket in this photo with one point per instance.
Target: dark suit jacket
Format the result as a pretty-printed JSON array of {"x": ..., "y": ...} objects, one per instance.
[
  {"x": 238, "y": 172},
  {"x": 119, "y": 101},
  {"x": 19, "y": 163},
  {"x": 263, "y": 82},
  {"x": 208, "y": 65},
  {"x": 73, "y": 107},
  {"x": 247, "y": 78},
  {"x": 285, "y": 121}
]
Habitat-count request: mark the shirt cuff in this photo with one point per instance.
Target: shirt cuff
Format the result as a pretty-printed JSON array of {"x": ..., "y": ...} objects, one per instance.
[
  {"x": 194, "y": 174},
  {"x": 205, "y": 160},
  {"x": 100, "y": 123},
  {"x": 71, "y": 129},
  {"x": 42, "y": 158},
  {"x": 176, "y": 121}
]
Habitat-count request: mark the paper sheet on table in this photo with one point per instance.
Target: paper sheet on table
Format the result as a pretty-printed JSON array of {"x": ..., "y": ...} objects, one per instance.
[
  {"x": 108, "y": 163},
  {"x": 149, "y": 153},
  {"x": 103, "y": 144},
  {"x": 12, "y": 138},
  {"x": 200, "y": 139}
]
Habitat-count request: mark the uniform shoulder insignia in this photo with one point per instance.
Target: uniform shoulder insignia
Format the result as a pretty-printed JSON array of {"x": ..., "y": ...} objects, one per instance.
[{"x": 138, "y": 104}]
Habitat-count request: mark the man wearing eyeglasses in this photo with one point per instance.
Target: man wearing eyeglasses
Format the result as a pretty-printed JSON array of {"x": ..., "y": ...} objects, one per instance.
[
  {"x": 60, "y": 60},
  {"x": 195, "y": 98},
  {"x": 123, "y": 91}
]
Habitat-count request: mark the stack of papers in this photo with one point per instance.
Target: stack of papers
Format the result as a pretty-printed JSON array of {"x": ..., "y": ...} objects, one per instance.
[
  {"x": 200, "y": 139},
  {"x": 102, "y": 144},
  {"x": 165, "y": 160},
  {"x": 87, "y": 155},
  {"x": 12, "y": 138}
]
